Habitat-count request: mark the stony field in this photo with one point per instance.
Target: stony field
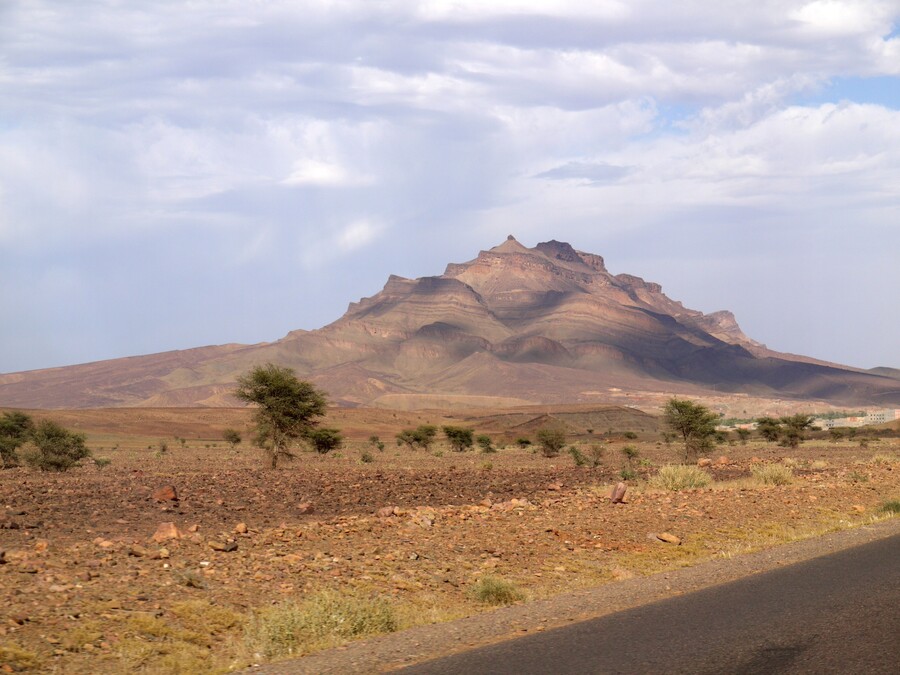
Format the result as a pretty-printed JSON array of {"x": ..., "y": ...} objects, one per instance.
[{"x": 109, "y": 570}]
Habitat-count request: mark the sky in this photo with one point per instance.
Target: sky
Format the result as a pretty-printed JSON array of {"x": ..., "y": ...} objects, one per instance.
[{"x": 176, "y": 174}]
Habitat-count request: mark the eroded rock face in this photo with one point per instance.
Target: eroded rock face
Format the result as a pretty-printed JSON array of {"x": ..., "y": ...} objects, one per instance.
[{"x": 531, "y": 325}]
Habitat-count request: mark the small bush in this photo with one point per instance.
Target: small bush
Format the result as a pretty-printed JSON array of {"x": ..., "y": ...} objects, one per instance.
[
  {"x": 523, "y": 442},
  {"x": 577, "y": 456},
  {"x": 630, "y": 435},
  {"x": 818, "y": 465},
  {"x": 595, "y": 455},
  {"x": 552, "y": 440},
  {"x": 892, "y": 507},
  {"x": 628, "y": 474},
  {"x": 495, "y": 591},
  {"x": 328, "y": 617},
  {"x": 102, "y": 462},
  {"x": 485, "y": 443},
  {"x": 486, "y": 466},
  {"x": 882, "y": 460},
  {"x": 324, "y": 440},
  {"x": 366, "y": 457},
  {"x": 858, "y": 477},
  {"x": 680, "y": 477},
  {"x": 772, "y": 474}
]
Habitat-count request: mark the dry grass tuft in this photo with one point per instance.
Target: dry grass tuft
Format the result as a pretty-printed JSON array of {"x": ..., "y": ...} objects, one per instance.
[
  {"x": 680, "y": 477},
  {"x": 772, "y": 474},
  {"x": 324, "y": 619},
  {"x": 495, "y": 591}
]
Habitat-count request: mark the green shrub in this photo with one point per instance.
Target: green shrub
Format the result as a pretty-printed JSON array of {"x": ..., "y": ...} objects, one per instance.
[
  {"x": 577, "y": 456},
  {"x": 494, "y": 591},
  {"x": 523, "y": 442},
  {"x": 15, "y": 428},
  {"x": 680, "y": 477},
  {"x": 552, "y": 440},
  {"x": 630, "y": 435},
  {"x": 324, "y": 440},
  {"x": 366, "y": 457},
  {"x": 628, "y": 474},
  {"x": 892, "y": 507},
  {"x": 772, "y": 474},
  {"x": 54, "y": 448},
  {"x": 485, "y": 443},
  {"x": 327, "y": 617}
]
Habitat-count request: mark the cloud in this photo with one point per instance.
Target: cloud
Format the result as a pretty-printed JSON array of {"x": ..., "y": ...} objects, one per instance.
[{"x": 399, "y": 136}]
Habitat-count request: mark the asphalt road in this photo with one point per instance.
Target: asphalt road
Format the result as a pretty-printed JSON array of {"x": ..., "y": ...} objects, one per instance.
[{"x": 834, "y": 614}]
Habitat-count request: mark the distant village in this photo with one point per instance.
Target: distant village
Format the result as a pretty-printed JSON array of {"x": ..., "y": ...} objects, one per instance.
[
  {"x": 863, "y": 419},
  {"x": 871, "y": 417}
]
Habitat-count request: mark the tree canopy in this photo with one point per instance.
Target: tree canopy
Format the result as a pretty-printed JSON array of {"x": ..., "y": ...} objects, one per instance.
[
  {"x": 460, "y": 438},
  {"x": 695, "y": 423},
  {"x": 287, "y": 408}
]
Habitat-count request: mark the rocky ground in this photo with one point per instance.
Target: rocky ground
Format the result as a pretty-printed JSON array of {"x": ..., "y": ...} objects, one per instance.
[{"x": 108, "y": 570}]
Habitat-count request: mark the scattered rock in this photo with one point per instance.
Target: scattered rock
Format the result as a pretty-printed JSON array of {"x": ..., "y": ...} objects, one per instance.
[
  {"x": 859, "y": 508},
  {"x": 305, "y": 508},
  {"x": 722, "y": 461},
  {"x": 193, "y": 528},
  {"x": 704, "y": 462},
  {"x": 3, "y": 560},
  {"x": 669, "y": 538},
  {"x": 240, "y": 528},
  {"x": 618, "y": 493},
  {"x": 222, "y": 546},
  {"x": 385, "y": 512},
  {"x": 554, "y": 487},
  {"x": 138, "y": 551},
  {"x": 165, "y": 532},
  {"x": 166, "y": 493}
]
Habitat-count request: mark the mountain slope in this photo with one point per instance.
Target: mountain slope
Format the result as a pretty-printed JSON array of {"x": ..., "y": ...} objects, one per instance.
[{"x": 543, "y": 324}]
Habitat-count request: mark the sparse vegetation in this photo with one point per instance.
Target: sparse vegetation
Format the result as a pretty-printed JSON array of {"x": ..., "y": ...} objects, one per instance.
[
  {"x": 376, "y": 443},
  {"x": 523, "y": 442},
  {"x": 892, "y": 507},
  {"x": 743, "y": 435},
  {"x": 680, "y": 477},
  {"x": 772, "y": 474},
  {"x": 495, "y": 591}
]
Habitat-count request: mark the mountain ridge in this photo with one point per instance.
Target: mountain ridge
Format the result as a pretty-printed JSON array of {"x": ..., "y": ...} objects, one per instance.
[{"x": 547, "y": 324}]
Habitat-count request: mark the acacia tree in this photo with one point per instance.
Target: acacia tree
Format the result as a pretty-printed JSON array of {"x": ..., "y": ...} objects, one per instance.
[
  {"x": 460, "y": 438},
  {"x": 793, "y": 428},
  {"x": 695, "y": 423},
  {"x": 287, "y": 408}
]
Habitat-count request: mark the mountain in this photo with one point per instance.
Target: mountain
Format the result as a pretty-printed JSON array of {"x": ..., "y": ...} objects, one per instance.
[{"x": 515, "y": 325}]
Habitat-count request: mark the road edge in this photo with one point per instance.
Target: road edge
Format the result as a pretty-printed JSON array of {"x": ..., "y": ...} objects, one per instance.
[{"x": 423, "y": 643}]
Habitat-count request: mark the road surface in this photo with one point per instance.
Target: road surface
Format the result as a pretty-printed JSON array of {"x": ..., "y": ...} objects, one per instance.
[{"x": 839, "y": 613}]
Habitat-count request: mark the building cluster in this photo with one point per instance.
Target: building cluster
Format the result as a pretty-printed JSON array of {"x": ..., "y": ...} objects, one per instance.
[{"x": 871, "y": 417}]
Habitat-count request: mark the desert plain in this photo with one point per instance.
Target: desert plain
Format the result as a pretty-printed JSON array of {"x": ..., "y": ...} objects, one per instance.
[{"x": 185, "y": 555}]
